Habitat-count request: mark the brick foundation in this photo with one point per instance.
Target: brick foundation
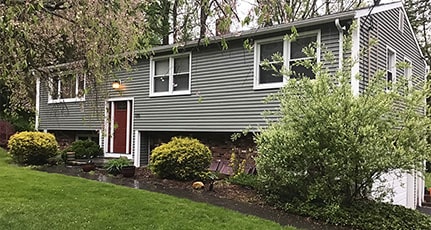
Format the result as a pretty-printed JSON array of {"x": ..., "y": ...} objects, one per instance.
[{"x": 220, "y": 144}]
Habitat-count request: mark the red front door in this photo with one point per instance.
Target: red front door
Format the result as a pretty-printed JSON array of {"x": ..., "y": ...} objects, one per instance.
[{"x": 120, "y": 127}]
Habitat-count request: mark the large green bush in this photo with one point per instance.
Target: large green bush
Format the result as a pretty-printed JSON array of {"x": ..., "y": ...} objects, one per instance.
[
  {"x": 331, "y": 144},
  {"x": 85, "y": 149},
  {"x": 32, "y": 148},
  {"x": 182, "y": 158}
]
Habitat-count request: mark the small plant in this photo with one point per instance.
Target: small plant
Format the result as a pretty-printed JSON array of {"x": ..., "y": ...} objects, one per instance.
[
  {"x": 246, "y": 180},
  {"x": 32, "y": 148},
  {"x": 114, "y": 166},
  {"x": 182, "y": 158},
  {"x": 84, "y": 149}
]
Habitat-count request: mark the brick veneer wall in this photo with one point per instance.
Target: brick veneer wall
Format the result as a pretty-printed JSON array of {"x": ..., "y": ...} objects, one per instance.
[{"x": 220, "y": 144}]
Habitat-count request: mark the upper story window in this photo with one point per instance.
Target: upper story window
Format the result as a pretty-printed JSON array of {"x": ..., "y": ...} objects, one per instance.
[
  {"x": 390, "y": 68},
  {"x": 291, "y": 53},
  {"x": 170, "y": 75},
  {"x": 67, "y": 88}
]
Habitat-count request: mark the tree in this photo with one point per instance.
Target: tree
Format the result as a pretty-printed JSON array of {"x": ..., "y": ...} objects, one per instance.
[
  {"x": 419, "y": 13},
  {"x": 95, "y": 37},
  {"x": 273, "y": 12},
  {"x": 329, "y": 146}
]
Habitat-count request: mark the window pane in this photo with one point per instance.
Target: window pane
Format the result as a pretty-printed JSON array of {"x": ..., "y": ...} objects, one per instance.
[
  {"x": 299, "y": 71},
  {"x": 181, "y": 65},
  {"x": 54, "y": 87},
  {"x": 161, "y": 84},
  {"x": 267, "y": 50},
  {"x": 270, "y": 76},
  {"x": 81, "y": 84},
  {"x": 297, "y": 46},
  {"x": 181, "y": 82},
  {"x": 162, "y": 67},
  {"x": 68, "y": 86}
]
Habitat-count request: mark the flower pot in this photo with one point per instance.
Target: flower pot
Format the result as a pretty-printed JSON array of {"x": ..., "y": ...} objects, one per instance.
[
  {"x": 88, "y": 167},
  {"x": 128, "y": 171}
]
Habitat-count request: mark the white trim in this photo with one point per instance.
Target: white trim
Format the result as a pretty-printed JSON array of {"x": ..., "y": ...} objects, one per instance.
[
  {"x": 401, "y": 18},
  {"x": 377, "y": 9},
  {"x": 340, "y": 43},
  {"x": 109, "y": 139},
  {"x": 355, "y": 58},
  {"x": 118, "y": 155},
  {"x": 393, "y": 67},
  {"x": 101, "y": 139},
  {"x": 137, "y": 157},
  {"x": 171, "y": 59},
  {"x": 285, "y": 54},
  {"x": 257, "y": 44},
  {"x": 36, "y": 121},
  {"x": 111, "y": 131},
  {"x": 106, "y": 127},
  {"x": 66, "y": 100},
  {"x": 128, "y": 123},
  {"x": 120, "y": 99}
]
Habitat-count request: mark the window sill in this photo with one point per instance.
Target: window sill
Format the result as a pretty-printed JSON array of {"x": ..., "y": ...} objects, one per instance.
[
  {"x": 269, "y": 86},
  {"x": 179, "y": 93},
  {"x": 67, "y": 100}
]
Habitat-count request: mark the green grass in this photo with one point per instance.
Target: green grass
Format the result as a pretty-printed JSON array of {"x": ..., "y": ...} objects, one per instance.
[{"x": 36, "y": 200}]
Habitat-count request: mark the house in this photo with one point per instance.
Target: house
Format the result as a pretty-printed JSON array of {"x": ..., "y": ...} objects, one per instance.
[{"x": 211, "y": 93}]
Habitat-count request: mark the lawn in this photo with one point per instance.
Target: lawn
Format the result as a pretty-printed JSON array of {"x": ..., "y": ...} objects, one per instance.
[{"x": 36, "y": 200}]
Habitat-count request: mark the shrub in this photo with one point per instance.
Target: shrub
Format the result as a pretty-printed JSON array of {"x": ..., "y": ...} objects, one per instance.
[
  {"x": 330, "y": 145},
  {"x": 181, "y": 158},
  {"x": 364, "y": 214},
  {"x": 246, "y": 180},
  {"x": 114, "y": 166},
  {"x": 33, "y": 148},
  {"x": 84, "y": 149}
]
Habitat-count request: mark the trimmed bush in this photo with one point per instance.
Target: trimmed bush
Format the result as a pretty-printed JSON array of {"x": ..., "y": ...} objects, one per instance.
[
  {"x": 182, "y": 158},
  {"x": 32, "y": 148},
  {"x": 84, "y": 149}
]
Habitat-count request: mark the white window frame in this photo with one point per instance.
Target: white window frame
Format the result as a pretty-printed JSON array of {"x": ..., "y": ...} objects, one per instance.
[
  {"x": 285, "y": 55},
  {"x": 408, "y": 73},
  {"x": 391, "y": 62},
  {"x": 170, "y": 74},
  {"x": 77, "y": 98}
]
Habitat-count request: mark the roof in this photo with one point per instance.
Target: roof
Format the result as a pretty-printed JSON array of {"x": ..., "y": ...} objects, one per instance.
[{"x": 284, "y": 27}]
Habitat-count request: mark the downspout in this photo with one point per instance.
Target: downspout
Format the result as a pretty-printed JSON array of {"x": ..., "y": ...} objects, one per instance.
[
  {"x": 36, "y": 121},
  {"x": 340, "y": 43}
]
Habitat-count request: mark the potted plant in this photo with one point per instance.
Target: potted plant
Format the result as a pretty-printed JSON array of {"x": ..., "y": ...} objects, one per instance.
[
  {"x": 88, "y": 166},
  {"x": 116, "y": 166}
]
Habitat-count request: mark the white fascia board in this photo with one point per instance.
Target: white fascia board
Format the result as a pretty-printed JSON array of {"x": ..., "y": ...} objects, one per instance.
[{"x": 377, "y": 9}]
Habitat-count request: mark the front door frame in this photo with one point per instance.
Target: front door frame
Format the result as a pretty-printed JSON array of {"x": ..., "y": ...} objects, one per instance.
[{"x": 109, "y": 127}]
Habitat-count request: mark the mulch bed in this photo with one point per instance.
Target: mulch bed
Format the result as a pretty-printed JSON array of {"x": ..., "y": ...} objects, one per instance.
[{"x": 224, "y": 194}]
